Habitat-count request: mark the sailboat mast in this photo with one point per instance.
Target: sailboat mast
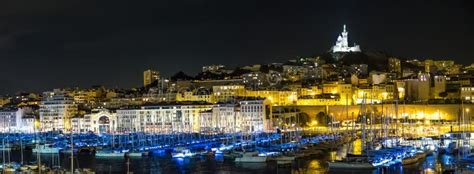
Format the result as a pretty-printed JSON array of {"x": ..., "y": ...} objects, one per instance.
[
  {"x": 396, "y": 122},
  {"x": 72, "y": 151},
  {"x": 364, "y": 120}
]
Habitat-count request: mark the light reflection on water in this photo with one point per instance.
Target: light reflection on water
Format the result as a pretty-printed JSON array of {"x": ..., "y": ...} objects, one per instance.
[{"x": 313, "y": 165}]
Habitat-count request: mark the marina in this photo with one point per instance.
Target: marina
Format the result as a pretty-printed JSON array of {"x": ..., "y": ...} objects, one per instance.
[
  {"x": 237, "y": 87},
  {"x": 325, "y": 153}
]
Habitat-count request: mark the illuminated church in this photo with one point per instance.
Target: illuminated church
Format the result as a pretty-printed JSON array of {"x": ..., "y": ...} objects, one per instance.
[{"x": 342, "y": 44}]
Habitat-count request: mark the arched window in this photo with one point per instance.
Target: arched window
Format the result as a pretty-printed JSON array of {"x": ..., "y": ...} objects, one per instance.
[{"x": 104, "y": 120}]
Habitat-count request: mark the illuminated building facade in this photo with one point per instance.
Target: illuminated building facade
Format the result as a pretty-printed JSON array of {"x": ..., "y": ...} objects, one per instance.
[
  {"x": 149, "y": 76},
  {"x": 224, "y": 93},
  {"x": 275, "y": 97},
  {"x": 375, "y": 93},
  {"x": 196, "y": 95},
  {"x": 394, "y": 66},
  {"x": 467, "y": 93},
  {"x": 418, "y": 89},
  {"x": 222, "y": 118},
  {"x": 255, "y": 116},
  {"x": 319, "y": 99},
  {"x": 212, "y": 68},
  {"x": 99, "y": 121},
  {"x": 255, "y": 79},
  {"x": 342, "y": 44},
  {"x": 56, "y": 111},
  {"x": 4, "y": 100},
  {"x": 13, "y": 119},
  {"x": 166, "y": 118}
]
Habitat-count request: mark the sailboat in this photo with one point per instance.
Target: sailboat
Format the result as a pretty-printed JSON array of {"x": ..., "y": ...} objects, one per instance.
[
  {"x": 366, "y": 160},
  {"x": 111, "y": 152},
  {"x": 46, "y": 148},
  {"x": 251, "y": 157},
  {"x": 8, "y": 167},
  {"x": 135, "y": 152}
]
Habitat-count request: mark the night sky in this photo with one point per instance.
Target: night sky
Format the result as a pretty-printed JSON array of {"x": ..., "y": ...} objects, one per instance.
[{"x": 66, "y": 43}]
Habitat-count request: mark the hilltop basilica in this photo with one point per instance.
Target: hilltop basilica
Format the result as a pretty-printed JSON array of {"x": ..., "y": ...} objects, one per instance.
[{"x": 342, "y": 44}]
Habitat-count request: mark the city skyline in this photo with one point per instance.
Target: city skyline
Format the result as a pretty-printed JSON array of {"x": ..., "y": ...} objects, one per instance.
[
  {"x": 95, "y": 44},
  {"x": 246, "y": 86}
]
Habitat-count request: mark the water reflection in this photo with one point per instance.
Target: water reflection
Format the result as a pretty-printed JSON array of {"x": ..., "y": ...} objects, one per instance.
[
  {"x": 207, "y": 164},
  {"x": 315, "y": 166}
]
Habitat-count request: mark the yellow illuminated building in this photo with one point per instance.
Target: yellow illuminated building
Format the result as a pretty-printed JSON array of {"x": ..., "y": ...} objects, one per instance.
[
  {"x": 375, "y": 94},
  {"x": 321, "y": 99},
  {"x": 4, "y": 101},
  {"x": 149, "y": 76},
  {"x": 224, "y": 93},
  {"x": 193, "y": 96},
  {"x": 277, "y": 98},
  {"x": 314, "y": 90}
]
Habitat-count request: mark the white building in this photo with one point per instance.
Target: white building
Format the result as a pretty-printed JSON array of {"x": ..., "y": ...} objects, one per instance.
[
  {"x": 222, "y": 118},
  {"x": 248, "y": 116},
  {"x": 56, "y": 111},
  {"x": 16, "y": 120},
  {"x": 342, "y": 44},
  {"x": 77, "y": 125},
  {"x": 212, "y": 68},
  {"x": 99, "y": 121},
  {"x": 165, "y": 118},
  {"x": 255, "y": 116}
]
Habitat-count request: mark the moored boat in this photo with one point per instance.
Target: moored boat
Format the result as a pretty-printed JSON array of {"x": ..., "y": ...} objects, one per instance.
[
  {"x": 134, "y": 154},
  {"x": 46, "y": 148},
  {"x": 284, "y": 163},
  {"x": 110, "y": 153},
  {"x": 351, "y": 165},
  {"x": 410, "y": 160},
  {"x": 251, "y": 157},
  {"x": 182, "y": 153}
]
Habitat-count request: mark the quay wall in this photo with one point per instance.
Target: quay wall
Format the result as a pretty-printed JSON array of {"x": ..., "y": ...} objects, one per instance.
[{"x": 449, "y": 112}]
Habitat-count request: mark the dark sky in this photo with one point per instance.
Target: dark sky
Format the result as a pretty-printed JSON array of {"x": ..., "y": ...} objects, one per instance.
[{"x": 66, "y": 43}]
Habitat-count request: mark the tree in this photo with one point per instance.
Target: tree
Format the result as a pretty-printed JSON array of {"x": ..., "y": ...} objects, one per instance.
[
  {"x": 322, "y": 118},
  {"x": 181, "y": 76},
  {"x": 264, "y": 69},
  {"x": 303, "y": 119},
  {"x": 239, "y": 71},
  {"x": 443, "y": 94}
]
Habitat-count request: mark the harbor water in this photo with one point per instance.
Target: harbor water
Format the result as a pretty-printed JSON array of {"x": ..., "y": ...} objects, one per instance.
[{"x": 216, "y": 164}]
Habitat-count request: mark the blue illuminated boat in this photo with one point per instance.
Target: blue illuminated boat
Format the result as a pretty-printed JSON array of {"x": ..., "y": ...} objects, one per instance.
[
  {"x": 251, "y": 157},
  {"x": 182, "y": 153},
  {"x": 111, "y": 153},
  {"x": 46, "y": 148}
]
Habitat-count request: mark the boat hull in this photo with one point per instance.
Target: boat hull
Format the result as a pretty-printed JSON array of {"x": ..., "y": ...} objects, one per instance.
[
  {"x": 349, "y": 165},
  {"x": 110, "y": 155},
  {"x": 45, "y": 150},
  {"x": 251, "y": 159},
  {"x": 410, "y": 160}
]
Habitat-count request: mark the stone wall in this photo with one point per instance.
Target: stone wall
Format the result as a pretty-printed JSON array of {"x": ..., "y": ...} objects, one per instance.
[{"x": 413, "y": 111}]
